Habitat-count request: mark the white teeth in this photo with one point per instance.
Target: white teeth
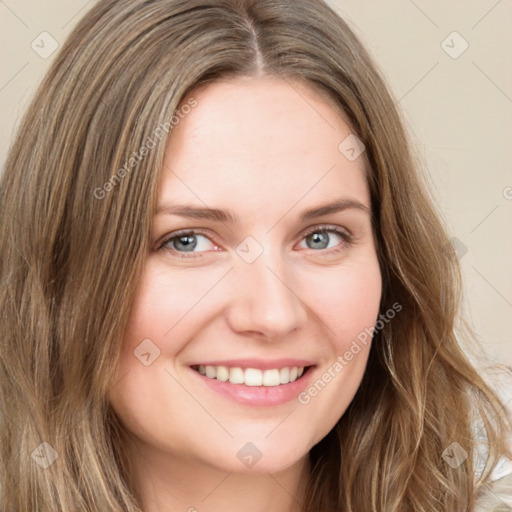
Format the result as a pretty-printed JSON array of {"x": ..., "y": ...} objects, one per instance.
[
  {"x": 236, "y": 376},
  {"x": 222, "y": 373},
  {"x": 284, "y": 375},
  {"x": 252, "y": 376},
  {"x": 271, "y": 378}
]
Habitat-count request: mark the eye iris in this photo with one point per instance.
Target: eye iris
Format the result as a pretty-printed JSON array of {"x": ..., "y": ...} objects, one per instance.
[
  {"x": 185, "y": 242},
  {"x": 319, "y": 239}
]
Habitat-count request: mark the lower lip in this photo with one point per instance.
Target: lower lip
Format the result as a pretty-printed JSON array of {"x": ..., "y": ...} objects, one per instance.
[{"x": 259, "y": 395}]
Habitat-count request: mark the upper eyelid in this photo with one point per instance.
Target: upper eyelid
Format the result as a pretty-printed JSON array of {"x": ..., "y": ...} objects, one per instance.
[{"x": 325, "y": 227}]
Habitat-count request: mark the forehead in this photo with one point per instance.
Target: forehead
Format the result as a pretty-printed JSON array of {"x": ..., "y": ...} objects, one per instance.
[{"x": 255, "y": 142}]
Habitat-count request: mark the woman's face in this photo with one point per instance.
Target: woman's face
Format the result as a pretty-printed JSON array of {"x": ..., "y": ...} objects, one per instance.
[{"x": 252, "y": 275}]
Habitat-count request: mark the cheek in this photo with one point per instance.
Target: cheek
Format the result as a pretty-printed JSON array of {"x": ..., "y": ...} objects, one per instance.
[
  {"x": 347, "y": 299},
  {"x": 348, "y": 304},
  {"x": 163, "y": 307},
  {"x": 145, "y": 396}
]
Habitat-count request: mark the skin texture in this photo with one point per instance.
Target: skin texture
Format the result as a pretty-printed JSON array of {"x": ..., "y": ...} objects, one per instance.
[{"x": 267, "y": 150}]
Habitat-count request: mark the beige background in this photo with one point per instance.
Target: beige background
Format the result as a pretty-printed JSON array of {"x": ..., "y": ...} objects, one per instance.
[{"x": 459, "y": 111}]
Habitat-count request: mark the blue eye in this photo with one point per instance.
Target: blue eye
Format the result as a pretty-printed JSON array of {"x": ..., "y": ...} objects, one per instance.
[
  {"x": 321, "y": 239},
  {"x": 188, "y": 242},
  {"x": 324, "y": 237}
]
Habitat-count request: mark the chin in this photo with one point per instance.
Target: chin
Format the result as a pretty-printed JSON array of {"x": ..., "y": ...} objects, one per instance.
[{"x": 260, "y": 456}]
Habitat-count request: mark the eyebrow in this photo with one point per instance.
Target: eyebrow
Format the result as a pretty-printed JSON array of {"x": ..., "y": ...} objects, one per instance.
[{"x": 225, "y": 216}]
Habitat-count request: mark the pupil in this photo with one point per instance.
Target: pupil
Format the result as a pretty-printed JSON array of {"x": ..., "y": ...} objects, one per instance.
[
  {"x": 187, "y": 242},
  {"x": 319, "y": 240}
]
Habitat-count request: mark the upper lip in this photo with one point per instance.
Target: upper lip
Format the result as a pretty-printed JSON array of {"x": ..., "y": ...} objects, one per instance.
[{"x": 262, "y": 364}]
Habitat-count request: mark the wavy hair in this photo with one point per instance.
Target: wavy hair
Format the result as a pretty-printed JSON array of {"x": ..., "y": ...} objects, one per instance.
[{"x": 74, "y": 232}]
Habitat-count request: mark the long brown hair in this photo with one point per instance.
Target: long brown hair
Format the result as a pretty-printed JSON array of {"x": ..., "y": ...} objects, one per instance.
[{"x": 74, "y": 236}]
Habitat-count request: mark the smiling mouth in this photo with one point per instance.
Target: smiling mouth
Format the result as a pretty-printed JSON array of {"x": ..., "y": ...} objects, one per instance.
[{"x": 252, "y": 376}]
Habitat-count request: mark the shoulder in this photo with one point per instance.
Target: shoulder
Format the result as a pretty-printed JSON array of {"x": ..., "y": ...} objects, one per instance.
[{"x": 496, "y": 494}]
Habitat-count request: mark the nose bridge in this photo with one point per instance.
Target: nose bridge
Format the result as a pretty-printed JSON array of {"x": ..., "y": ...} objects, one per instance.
[{"x": 265, "y": 300}]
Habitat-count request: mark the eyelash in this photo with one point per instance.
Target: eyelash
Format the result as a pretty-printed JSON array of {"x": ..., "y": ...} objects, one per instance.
[{"x": 345, "y": 235}]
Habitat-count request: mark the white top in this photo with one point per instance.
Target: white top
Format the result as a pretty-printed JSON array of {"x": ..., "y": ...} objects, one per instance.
[{"x": 497, "y": 494}]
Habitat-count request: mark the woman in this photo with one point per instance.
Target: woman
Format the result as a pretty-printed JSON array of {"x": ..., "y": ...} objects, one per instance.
[{"x": 224, "y": 279}]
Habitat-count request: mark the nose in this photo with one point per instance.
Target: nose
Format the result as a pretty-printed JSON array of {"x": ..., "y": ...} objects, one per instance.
[{"x": 265, "y": 298}]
